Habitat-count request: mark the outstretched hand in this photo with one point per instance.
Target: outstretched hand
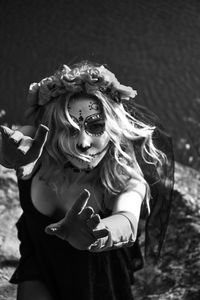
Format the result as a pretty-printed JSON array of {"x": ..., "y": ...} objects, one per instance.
[
  {"x": 21, "y": 152},
  {"x": 74, "y": 226}
]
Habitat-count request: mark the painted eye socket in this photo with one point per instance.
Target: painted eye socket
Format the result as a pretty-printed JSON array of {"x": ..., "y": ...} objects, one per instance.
[{"x": 95, "y": 127}]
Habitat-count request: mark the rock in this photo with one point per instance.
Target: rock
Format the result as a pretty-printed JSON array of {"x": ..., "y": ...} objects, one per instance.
[
  {"x": 8, "y": 233},
  {"x": 177, "y": 275},
  {"x": 9, "y": 213}
]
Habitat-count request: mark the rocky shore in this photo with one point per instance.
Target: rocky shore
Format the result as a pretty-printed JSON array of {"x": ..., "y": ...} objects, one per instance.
[{"x": 177, "y": 276}]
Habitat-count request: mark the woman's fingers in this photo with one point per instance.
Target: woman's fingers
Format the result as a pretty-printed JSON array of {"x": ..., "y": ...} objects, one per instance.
[
  {"x": 16, "y": 137},
  {"x": 81, "y": 202},
  {"x": 9, "y": 135},
  {"x": 39, "y": 140},
  {"x": 100, "y": 233},
  {"x": 6, "y": 132},
  {"x": 93, "y": 221},
  {"x": 86, "y": 213},
  {"x": 41, "y": 135},
  {"x": 21, "y": 150},
  {"x": 97, "y": 227},
  {"x": 25, "y": 144}
]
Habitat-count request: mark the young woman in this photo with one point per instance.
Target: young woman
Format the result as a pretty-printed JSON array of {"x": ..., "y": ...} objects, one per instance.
[{"x": 81, "y": 185}]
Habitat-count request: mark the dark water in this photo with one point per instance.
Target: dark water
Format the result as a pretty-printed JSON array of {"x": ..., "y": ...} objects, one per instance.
[{"x": 153, "y": 46}]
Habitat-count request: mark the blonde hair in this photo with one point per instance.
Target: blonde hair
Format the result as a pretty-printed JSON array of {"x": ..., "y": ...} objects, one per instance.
[{"x": 120, "y": 162}]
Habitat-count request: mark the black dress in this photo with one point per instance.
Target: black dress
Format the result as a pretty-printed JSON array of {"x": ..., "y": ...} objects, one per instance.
[{"x": 67, "y": 272}]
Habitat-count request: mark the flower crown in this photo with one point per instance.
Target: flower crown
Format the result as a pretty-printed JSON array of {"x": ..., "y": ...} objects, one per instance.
[{"x": 88, "y": 79}]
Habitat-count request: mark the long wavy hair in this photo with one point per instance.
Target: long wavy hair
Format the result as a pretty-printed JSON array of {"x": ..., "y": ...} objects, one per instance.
[{"x": 120, "y": 163}]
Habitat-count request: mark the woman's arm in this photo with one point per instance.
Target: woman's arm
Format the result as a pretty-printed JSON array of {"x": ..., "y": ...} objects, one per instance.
[
  {"x": 123, "y": 223},
  {"x": 131, "y": 199}
]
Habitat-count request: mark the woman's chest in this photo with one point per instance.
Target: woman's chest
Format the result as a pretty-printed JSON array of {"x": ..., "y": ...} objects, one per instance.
[
  {"x": 50, "y": 203},
  {"x": 69, "y": 195}
]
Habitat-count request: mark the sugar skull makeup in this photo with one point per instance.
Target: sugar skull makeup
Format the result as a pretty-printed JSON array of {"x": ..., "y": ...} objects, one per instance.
[{"x": 88, "y": 140}]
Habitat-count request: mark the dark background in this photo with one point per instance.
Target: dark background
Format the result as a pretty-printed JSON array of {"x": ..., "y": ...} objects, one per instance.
[{"x": 154, "y": 46}]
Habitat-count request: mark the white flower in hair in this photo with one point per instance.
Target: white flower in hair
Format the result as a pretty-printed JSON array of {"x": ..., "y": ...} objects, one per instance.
[{"x": 125, "y": 92}]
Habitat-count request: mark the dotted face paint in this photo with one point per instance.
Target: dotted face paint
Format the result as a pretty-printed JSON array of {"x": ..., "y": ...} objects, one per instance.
[
  {"x": 90, "y": 134},
  {"x": 93, "y": 125}
]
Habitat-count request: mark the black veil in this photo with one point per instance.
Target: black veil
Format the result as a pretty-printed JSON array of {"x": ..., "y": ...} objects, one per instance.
[{"x": 161, "y": 182}]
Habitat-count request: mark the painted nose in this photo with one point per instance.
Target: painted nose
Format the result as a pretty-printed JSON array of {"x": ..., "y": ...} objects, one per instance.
[
  {"x": 82, "y": 149},
  {"x": 84, "y": 142}
]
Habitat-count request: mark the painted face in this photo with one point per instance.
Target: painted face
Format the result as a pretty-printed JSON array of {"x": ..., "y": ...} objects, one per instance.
[{"x": 90, "y": 138}]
